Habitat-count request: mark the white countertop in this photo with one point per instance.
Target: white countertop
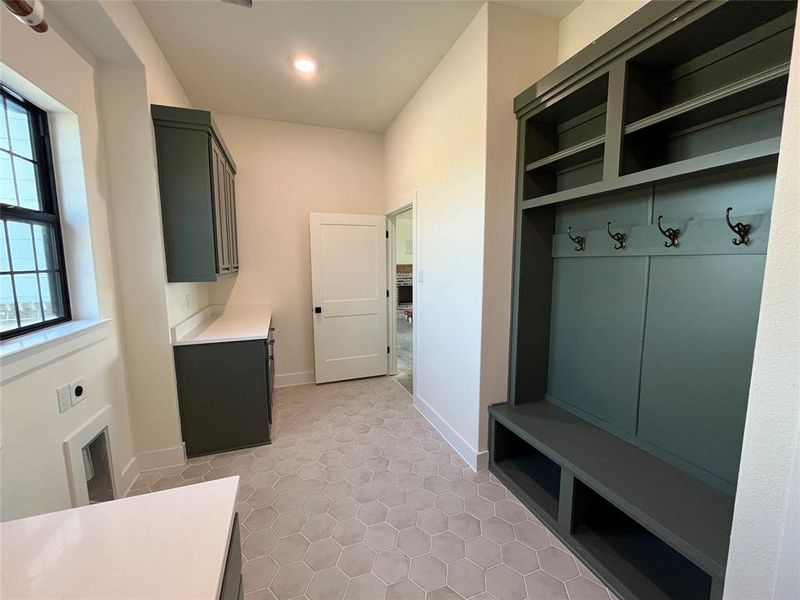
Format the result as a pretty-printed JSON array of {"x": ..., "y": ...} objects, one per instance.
[
  {"x": 171, "y": 544},
  {"x": 231, "y": 323}
]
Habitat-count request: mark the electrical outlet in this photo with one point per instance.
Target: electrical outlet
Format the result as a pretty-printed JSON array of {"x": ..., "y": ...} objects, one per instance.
[
  {"x": 64, "y": 396},
  {"x": 77, "y": 391}
]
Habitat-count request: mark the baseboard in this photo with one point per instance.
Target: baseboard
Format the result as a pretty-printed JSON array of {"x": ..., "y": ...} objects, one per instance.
[
  {"x": 127, "y": 477},
  {"x": 290, "y": 379},
  {"x": 477, "y": 461},
  {"x": 482, "y": 459},
  {"x": 148, "y": 461}
]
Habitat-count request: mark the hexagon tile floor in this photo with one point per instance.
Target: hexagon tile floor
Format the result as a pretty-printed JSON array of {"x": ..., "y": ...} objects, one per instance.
[{"x": 359, "y": 498}]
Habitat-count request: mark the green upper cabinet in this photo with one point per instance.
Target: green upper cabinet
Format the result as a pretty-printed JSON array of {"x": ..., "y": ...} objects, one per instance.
[{"x": 198, "y": 201}]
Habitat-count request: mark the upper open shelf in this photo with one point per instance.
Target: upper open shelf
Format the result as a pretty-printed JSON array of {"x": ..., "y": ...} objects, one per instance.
[
  {"x": 707, "y": 97},
  {"x": 564, "y": 140}
]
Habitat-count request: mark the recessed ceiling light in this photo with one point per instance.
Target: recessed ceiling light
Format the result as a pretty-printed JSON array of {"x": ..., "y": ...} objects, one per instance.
[{"x": 304, "y": 64}]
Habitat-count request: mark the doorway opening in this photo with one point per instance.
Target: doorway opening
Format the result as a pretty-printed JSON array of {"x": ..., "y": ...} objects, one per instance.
[{"x": 401, "y": 267}]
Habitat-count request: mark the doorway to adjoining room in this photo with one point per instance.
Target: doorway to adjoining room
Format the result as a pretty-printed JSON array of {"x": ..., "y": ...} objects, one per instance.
[{"x": 404, "y": 295}]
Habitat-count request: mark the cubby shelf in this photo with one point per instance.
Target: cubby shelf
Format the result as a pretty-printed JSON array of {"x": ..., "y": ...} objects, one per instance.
[
  {"x": 758, "y": 82},
  {"x": 740, "y": 156},
  {"x": 683, "y": 511},
  {"x": 588, "y": 150}
]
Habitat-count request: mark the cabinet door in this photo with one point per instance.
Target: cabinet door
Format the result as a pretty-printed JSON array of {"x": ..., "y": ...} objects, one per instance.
[
  {"x": 222, "y": 396},
  {"x": 220, "y": 210},
  {"x": 234, "y": 223}
]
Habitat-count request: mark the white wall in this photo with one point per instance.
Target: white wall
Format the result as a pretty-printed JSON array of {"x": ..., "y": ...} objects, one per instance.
[
  {"x": 589, "y": 21},
  {"x": 522, "y": 49},
  {"x": 163, "y": 87},
  {"x": 455, "y": 145},
  {"x": 115, "y": 33},
  {"x": 437, "y": 146},
  {"x": 32, "y": 466},
  {"x": 763, "y": 559},
  {"x": 285, "y": 171}
]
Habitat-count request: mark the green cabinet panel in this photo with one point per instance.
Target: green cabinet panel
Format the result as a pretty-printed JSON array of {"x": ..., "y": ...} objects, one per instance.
[
  {"x": 232, "y": 575},
  {"x": 595, "y": 337},
  {"x": 698, "y": 353},
  {"x": 198, "y": 206},
  {"x": 224, "y": 395}
]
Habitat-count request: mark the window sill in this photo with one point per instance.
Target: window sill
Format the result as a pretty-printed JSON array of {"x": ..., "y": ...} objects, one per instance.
[{"x": 29, "y": 352}]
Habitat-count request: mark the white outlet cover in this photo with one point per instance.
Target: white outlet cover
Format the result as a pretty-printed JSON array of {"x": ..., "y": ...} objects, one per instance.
[
  {"x": 63, "y": 393},
  {"x": 73, "y": 395}
]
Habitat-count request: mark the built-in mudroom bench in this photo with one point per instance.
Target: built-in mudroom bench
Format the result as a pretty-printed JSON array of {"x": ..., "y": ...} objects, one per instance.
[{"x": 645, "y": 177}]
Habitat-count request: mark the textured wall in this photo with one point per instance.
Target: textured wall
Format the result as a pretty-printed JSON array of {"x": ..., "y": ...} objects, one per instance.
[
  {"x": 33, "y": 476},
  {"x": 285, "y": 171},
  {"x": 437, "y": 147}
]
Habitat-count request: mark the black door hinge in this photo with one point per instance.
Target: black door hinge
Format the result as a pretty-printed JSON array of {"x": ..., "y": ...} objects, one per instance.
[
  {"x": 388, "y": 351},
  {"x": 387, "y": 293},
  {"x": 387, "y": 235}
]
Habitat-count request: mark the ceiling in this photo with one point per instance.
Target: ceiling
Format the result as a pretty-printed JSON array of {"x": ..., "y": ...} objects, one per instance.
[
  {"x": 373, "y": 55},
  {"x": 552, "y": 9}
]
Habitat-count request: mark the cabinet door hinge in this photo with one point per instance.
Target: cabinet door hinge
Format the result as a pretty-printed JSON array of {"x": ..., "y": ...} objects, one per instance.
[
  {"x": 387, "y": 293},
  {"x": 388, "y": 350}
]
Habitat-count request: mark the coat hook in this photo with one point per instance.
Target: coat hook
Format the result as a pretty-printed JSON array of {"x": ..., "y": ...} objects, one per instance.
[
  {"x": 742, "y": 230},
  {"x": 580, "y": 241},
  {"x": 669, "y": 233},
  {"x": 619, "y": 238}
]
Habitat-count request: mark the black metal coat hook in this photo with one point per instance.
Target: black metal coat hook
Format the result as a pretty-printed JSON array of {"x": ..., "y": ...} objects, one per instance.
[
  {"x": 742, "y": 230},
  {"x": 619, "y": 238},
  {"x": 669, "y": 233},
  {"x": 580, "y": 241}
]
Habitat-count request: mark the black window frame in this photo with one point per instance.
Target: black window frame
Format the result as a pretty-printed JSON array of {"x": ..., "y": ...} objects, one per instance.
[{"x": 48, "y": 215}]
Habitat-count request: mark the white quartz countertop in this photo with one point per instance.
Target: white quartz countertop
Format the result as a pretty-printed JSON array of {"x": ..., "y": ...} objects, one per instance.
[
  {"x": 231, "y": 323},
  {"x": 171, "y": 544}
]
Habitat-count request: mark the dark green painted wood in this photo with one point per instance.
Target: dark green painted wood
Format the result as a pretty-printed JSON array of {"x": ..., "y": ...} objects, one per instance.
[
  {"x": 698, "y": 353},
  {"x": 538, "y": 476},
  {"x": 700, "y": 87},
  {"x": 698, "y": 236},
  {"x": 190, "y": 118},
  {"x": 756, "y": 153},
  {"x": 631, "y": 32},
  {"x": 232, "y": 575},
  {"x": 595, "y": 336},
  {"x": 648, "y": 567},
  {"x": 748, "y": 191},
  {"x": 197, "y": 195},
  {"x": 223, "y": 395},
  {"x": 686, "y": 513},
  {"x": 187, "y": 214},
  {"x": 531, "y": 306}
]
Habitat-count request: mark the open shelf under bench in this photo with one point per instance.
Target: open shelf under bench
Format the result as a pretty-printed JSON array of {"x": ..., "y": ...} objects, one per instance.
[{"x": 685, "y": 513}]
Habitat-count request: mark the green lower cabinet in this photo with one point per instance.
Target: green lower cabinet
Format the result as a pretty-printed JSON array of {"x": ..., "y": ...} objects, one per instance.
[{"x": 224, "y": 395}]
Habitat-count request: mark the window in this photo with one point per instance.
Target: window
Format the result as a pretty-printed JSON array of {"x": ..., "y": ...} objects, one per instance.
[{"x": 33, "y": 283}]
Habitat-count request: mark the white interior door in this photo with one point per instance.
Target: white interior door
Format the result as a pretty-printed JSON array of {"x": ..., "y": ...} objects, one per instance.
[{"x": 348, "y": 287}]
